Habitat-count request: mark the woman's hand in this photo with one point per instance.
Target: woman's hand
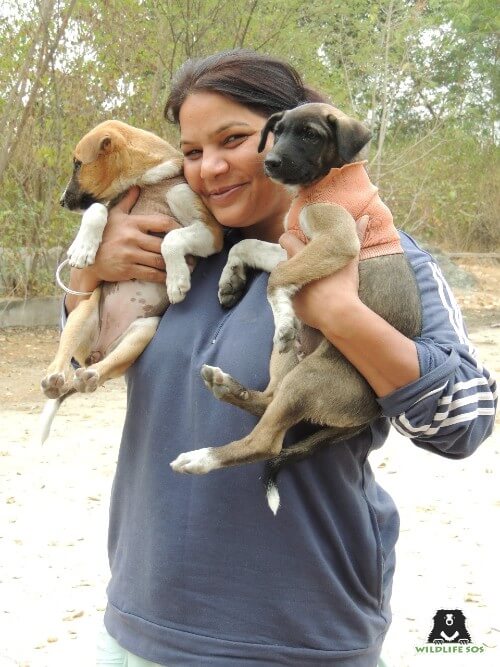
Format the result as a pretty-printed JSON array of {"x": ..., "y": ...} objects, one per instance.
[
  {"x": 127, "y": 250},
  {"x": 384, "y": 357},
  {"x": 328, "y": 302}
]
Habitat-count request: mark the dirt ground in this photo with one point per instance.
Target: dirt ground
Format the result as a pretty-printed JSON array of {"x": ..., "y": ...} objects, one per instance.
[{"x": 54, "y": 503}]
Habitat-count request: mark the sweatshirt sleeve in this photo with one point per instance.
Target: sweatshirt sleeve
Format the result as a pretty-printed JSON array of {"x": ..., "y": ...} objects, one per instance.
[{"x": 450, "y": 409}]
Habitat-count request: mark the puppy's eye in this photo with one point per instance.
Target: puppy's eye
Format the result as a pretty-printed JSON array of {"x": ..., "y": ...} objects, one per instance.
[{"x": 311, "y": 134}]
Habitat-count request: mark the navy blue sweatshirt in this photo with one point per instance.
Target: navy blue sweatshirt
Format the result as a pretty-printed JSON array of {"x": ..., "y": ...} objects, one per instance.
[{"x": 202, "y": 572}]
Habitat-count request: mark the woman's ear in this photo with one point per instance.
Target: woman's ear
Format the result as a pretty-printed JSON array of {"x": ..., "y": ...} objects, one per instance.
[{"x": 269, "y": 127}]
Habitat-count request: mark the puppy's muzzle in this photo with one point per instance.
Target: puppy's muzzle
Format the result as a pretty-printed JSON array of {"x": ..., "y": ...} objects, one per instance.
[
  {"x": 284, "y": 169},
  {"x": 76, "y": 201},
  {"x": 273, "y": 165}
]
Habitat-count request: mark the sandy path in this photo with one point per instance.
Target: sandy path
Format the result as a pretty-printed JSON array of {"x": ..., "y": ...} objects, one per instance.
[{"x": 53, "y": 515}]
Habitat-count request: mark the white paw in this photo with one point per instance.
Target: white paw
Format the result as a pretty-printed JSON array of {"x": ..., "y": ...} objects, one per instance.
[
  {"x": 197, "y": 462},
  {"x": 82, "y": 253},
  {"x": 178, "y": 284}
]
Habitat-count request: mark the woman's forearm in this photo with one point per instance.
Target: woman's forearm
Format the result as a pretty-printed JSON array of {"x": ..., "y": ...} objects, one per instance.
[
  {"x": 81, "y": 280},
  {"x": 386, "y": 359}
]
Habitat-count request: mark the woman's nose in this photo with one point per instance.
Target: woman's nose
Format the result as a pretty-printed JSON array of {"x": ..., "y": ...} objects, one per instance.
[{"x": 213, "y": 164}]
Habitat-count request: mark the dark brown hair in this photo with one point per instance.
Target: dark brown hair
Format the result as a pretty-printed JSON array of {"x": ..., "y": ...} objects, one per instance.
[{"x": 262, "y": 83}]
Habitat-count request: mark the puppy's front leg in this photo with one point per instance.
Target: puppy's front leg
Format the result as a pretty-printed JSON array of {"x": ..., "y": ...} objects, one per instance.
[
  {"x": 84, "y": 248},
  {"x": 334, "y": 242},
  {"x": 201, "y": 236},
  {"x": 249, "y": 253}
]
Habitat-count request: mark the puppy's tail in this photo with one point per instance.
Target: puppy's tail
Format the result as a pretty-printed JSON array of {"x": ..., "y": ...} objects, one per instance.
[
  {"x": 303, "y": 449},
  {"x": 48, "y": 413}
]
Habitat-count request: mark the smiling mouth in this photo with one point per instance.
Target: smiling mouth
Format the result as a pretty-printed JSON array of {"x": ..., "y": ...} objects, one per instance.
[{"x": 225, "y": 191}]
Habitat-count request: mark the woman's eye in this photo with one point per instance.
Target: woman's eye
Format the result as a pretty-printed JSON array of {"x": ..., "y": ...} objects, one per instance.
[
  {"x": 193, "y": 154},
  {"x": 234, "y": 138}
]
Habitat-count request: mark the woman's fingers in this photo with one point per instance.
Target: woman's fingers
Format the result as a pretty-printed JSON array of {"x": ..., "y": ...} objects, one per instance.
[
  {"x": 149, "y": 226},
  {"x": 150, "y": 243},
  {"x": 151, "y": 259},
  {"x": 156, "y": 223},
  {"x": 148, "y": 274},
  {"x": 127, "y": 202},
  {"x": 291, "y": 244}
]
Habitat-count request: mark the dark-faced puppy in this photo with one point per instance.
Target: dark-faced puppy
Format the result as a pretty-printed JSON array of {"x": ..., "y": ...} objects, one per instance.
[
  {"x": 316, "y": 153},
  {"x": 309, "y": 141}
]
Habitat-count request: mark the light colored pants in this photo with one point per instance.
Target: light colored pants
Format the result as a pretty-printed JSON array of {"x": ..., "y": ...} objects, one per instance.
[{"x": 111, "y": 654}]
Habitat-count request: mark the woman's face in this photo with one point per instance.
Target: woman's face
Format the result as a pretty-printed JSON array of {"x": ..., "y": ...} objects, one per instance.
[{"x": 219, "y": 139}]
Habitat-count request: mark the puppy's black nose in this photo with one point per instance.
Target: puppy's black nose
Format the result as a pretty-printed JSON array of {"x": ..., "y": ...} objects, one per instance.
[{"x": 272, "y": 162}]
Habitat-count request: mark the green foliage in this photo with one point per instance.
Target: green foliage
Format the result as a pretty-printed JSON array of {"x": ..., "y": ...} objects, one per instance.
[
  {"x": 422, "y": 73},
  {"x": 448, "y": 195}
]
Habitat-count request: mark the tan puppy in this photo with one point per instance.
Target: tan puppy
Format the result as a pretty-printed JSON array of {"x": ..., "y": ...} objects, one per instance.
[{"x": 107, "y": 332}]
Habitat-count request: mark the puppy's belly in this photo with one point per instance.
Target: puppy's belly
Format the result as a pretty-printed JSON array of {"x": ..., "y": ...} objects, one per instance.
[{"x": 124, "y": 302}]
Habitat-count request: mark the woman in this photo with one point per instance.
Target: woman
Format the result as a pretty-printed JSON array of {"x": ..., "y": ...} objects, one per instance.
[{"x": 202, "y": 573}]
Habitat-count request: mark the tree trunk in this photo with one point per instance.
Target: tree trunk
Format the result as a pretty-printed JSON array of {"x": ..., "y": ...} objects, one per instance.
[
  {"x": 385, "y": 95},
  {"x": 14, "y": 118}
]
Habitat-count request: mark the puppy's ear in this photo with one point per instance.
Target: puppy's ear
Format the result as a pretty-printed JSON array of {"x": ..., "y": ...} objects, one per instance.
[
  {"x": 90, "y": 147},
  {"x": 351, "y": 136},
  {"x": 269, "y": 127}
]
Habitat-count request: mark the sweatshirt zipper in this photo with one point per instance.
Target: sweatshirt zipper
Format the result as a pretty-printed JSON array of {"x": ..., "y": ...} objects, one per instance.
[{"x": 221, "y": 324}]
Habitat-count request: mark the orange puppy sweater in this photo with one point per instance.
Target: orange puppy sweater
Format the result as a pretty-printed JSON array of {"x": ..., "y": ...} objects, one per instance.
[{"x": 351, "y": 188}]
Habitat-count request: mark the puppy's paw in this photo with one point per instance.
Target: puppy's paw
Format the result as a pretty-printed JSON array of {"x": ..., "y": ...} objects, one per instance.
[
  {"x": 55, "y": 385},
  {"x": 222, "y": 385},
  {"x": 197, "y": 462},
  {"x": 232, "y": 283},
  {"x": 82, "y": 253},
  {"x": 178, "y": 284},
  {"x": 286, "y": 335},
  {"x": 86, "y": 380}
]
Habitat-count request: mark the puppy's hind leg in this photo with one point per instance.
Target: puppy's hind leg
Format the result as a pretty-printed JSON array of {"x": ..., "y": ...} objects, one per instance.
[
  {"x": 264, "y": 442},
  {"x": 322, "y": 389},
  {"x": 128, "y": 348},
  {"x": 77, "y": 337},
  {"x": 227, "y": 389}
]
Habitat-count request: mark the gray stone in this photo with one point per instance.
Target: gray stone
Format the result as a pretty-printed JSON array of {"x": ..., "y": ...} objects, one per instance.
[{"x": 38, "y": 311}]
